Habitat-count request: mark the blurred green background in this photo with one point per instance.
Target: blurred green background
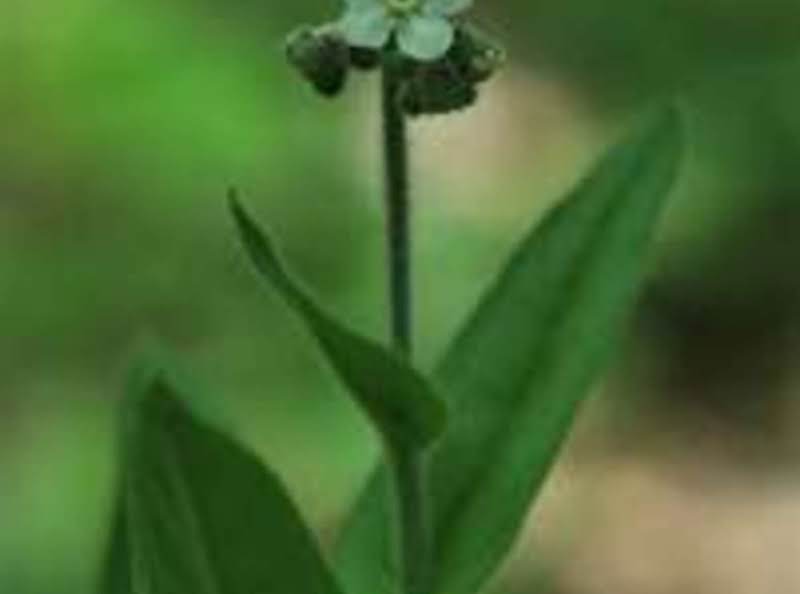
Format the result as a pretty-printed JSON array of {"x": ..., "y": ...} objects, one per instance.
[{"x": 123, "y": 123}]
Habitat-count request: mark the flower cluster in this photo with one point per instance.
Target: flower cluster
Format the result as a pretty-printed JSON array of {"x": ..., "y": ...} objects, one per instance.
[{"x": 440, "y": 61}]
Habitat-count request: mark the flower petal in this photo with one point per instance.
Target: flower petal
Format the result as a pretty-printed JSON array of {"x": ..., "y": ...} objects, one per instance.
[
  {"x": 425, "y": 37},
  {"x": 361, "y": 5},
  {"x": 369, "y": 27},
  {"x": 446, "y": 7}
]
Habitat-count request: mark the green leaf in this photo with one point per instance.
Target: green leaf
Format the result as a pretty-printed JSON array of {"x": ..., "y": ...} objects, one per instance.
[
  {"x": 526, "y": 358},
  {"x": 203, "y": 515},
  {"x": 398, "y": 399},
  {"x": 116, "y": 576}
]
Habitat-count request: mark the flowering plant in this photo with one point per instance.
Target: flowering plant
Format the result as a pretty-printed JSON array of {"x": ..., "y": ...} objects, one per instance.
[{"x": 466, "y": 447}]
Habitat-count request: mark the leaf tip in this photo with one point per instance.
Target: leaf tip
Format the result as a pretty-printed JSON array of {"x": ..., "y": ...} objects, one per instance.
[
  {"x": 237, "y": 210},
  {"x": 147, "y": 366}
]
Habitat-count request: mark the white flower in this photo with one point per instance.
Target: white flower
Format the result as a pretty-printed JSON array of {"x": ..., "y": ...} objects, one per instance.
[{"x": 422, "y": 28}]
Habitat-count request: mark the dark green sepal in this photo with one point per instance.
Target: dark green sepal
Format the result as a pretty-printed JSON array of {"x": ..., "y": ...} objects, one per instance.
[
  {"x": 364, "y": 58},
  {"x": 321, "y": 56},
  {"x": 476, "y": 56},
  {"x": 436, "y": 89}
]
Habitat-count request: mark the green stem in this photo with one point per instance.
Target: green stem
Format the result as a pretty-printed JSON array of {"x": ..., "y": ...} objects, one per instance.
[
  {"x": 397, "y": 212},
  {"x": 414, "y": 546}
]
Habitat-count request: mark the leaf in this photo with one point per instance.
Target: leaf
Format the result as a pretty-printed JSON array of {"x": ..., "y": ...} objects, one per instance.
[
  {"x": 204, "y": 516},
  {"x": 398, "y": 399},
  {"x": 518, "y": 370},
  {"x": 116, "y": 576}
]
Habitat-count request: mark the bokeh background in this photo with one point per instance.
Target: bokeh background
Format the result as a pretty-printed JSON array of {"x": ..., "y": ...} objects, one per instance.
[{"x": 123, "y": 123}]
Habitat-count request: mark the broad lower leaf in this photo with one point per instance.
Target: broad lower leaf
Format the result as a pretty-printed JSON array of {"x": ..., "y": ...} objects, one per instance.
[
  {"x": 523, "y": 362},
  {"x": 116, "y": 571},
  {"x": 398, "y": 399},
  {"x": 203, "y": 515}
]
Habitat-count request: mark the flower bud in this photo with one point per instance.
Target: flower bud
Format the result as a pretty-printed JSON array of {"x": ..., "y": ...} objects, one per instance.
[
  {"x": 436, "y": 89},
  {"x": 475, "y": 55},
  {"x": 451, "y": 82},
  {"x": 321, "y": 56},
  {"x": 364, "y": 58}
]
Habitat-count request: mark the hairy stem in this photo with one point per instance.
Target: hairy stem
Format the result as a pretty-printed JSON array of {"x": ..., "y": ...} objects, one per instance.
[{"x": 414, "y": 547}]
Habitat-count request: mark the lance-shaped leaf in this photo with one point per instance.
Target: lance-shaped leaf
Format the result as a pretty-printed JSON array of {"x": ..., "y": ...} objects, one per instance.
[
  {"x": 399, "y": 400},
  {"x": 523, "y": 362},
  {"x": 116, "y": 571},
  {"x": 203, "y": 515}
]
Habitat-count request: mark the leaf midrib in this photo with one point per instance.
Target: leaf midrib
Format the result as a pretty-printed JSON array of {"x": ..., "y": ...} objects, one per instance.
[
  {"x": 551, "y": 330},
  {"x": 201, "y": 545}
]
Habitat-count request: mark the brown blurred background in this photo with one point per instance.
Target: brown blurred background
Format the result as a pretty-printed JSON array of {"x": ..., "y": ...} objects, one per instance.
[{"x": 121, "y": 125}]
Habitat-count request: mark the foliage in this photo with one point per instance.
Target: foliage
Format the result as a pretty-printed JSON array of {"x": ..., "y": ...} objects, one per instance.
[
  {"x": 127, "y": 121},
  {"x": 526, "y": 358},
  {"x": 397, "y": 399},
  {"x": 200, "y": 514}
]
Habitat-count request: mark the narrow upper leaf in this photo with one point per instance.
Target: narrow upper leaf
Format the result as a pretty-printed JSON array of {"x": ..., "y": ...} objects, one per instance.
[
  {"x": 203, "y": 515},
  {"x": 523, "y": 362},
  {"x": 397, "y": 398}
]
